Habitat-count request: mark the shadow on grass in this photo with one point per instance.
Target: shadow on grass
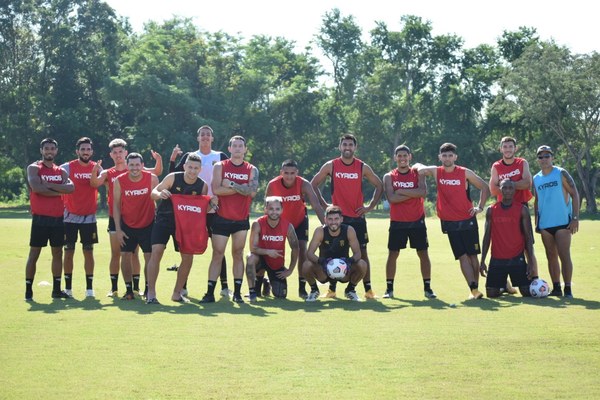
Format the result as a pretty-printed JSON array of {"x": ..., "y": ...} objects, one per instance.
[
  {"x": 495, "y": 304},
  {"x": 59, "y": 305}
]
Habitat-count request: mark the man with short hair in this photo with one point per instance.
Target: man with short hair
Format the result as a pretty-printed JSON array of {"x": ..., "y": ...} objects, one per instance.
[
  {"x": 347, "y": 173},
  {"x": 80, "y": 215},
  {"x": 405, "y": 190},
  {"x": 209, "y": 158},
  {"x": 235, "y": 182},
  {"x": 334, "y": 240},
  {"x": 186, "y": 185},
  {"x": 556, "y": 209},
  {"x": 456, "y": 212},
  {"x": 107, "y": 177},
  {"x": 294, "y": 191},
  {"x": 267, "y": 249},
  {"x": 508, "y": 229},
  {"x": 133, "y": 212},
  {"x": 47, "y": 182}
]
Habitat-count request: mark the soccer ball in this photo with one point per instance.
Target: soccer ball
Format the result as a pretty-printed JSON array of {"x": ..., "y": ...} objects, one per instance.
[
  {"x": 336, "y": 268},
  {"x": 539, "y": 288}
]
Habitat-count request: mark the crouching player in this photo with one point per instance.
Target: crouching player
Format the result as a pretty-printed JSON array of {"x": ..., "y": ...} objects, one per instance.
[
  {"x": 267, "y": 249},
  {"x": 508, "y": 228},
  {"x": 334, "y": 240}
]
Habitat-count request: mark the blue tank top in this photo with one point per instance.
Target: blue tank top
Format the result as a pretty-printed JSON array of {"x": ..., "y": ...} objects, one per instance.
[{"x": 554, "y": 204}]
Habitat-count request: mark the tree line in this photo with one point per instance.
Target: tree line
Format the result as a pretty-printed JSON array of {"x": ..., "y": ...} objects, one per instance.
[{"x": 72, "y": 68}]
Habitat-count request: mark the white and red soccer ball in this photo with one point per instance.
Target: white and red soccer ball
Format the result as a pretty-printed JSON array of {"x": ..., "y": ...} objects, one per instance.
[
  {"x": 337, "y": 268},
  {"x": 539, "y": 288}
]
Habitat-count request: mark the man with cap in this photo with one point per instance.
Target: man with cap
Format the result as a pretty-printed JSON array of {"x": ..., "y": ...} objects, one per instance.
[{"x": 556, "y": 217}]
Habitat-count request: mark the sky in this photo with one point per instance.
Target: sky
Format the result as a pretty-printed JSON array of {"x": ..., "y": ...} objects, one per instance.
[{"x": 573, "y": 23}]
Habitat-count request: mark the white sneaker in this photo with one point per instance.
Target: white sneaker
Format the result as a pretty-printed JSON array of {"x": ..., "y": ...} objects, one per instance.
[
  {"x": 114, "y": 294},
  {"x": 313, "y": 296},
  {"x": 226, "y": 293},
  {"x": 430, "y": 294},
  {"x": 69, "y": 292},
  {"x": 351, "y": 295},
  {"x": 90, "y": 293},
  {"x": 389, "y": 294}
]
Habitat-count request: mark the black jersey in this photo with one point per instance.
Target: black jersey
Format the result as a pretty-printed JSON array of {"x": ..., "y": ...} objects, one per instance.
[{"x": 335, "y": 246}]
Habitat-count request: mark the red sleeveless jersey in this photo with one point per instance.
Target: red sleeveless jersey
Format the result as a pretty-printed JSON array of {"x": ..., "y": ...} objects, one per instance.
[
  {"x": 513, "y": 171},
  {"x": 452, "y": 201},
  {"x": 294, "y": 208},
  {"x": 273, "y": 238},
  {"x": 83, "y": 200},
  {"x": 137, "y": 207},
  {"x": 412, "y": 209},
  {"x": 190, "y": 222},
  {"x": 111, "y": 175},
  {"x": 235, "y": 207},
  {"x": 508, "y": 239},
  {"x": 346, "y": 186},
  {"x": 50, "y": 206}
]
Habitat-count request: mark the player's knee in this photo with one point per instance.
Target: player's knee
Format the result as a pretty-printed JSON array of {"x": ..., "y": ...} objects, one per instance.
[
  {"x": 492, "y": 292},
  {"x": 279, "y": 289}
]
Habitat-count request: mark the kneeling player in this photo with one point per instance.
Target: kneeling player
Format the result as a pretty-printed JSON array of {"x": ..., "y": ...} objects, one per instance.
[
  {"x": 508, "y": 228},
  {"x": 334, "y": 240},
  {"x": 267, "y": 248}
]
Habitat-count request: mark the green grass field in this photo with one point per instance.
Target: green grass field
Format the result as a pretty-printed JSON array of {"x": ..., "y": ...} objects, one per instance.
[{"x": 404, "y": 348}]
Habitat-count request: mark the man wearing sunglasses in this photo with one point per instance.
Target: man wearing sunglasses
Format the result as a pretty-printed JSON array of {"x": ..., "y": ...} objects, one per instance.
[{"x": 556, "y": 217}]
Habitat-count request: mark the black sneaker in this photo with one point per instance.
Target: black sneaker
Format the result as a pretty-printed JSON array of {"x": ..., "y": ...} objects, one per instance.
[
  {"x": 207, "y": 298},
  {"x": 568, "y": 292},
  {"x": 28, "y": 295},
  {"x": 237, "y": 298},
  {"x": 556, "y": 292},
  {"x": 266, "y": 290},
  {"x": 60, "y": 295},
  {"x": 430, "y": 294},
  {"x": 128, "y": 296},
  {"x": 303, "y": 294}
]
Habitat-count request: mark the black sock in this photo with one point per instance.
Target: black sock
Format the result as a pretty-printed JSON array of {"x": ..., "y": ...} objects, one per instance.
[
  {"x": 56, "y": 284},
  {"x": 351, "y": 287},
  {"x": 28, "y": 288},
  {"x": 390, "y": 285},
  {"x": 568, "y": 289},
  {"x": 473, "y": 286},
  {"x": 332, "y": 286},
  {"x": 128, "y": 287},
  {"x": 223, "y": 274},
  {"x": 136, "y": 282},
  {"x": 114, "y": 282},
  {"x": 427, "y": 284},
  {"x": 68, "y": 281},
  {"x": 314, "y": 287},
  {"x": 258, "y": 284},
  {"x": 367, "y": 285},
  {"x": 211, "y": 287},
  {"x": 89, "y": 282},
  {"x": 252, "y": 291},
  {"x": 556, "y": 286},
  {"x": 237, "y": 287}
]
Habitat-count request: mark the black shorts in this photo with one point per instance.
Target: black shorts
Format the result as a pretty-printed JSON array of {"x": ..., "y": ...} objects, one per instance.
[
  {"x": 555, "y": 229},
  {"x": 302, "y": 229},
  {"x": 111, "y": 225},
  {"x": 278, "y": 285},
  {"x": 227, "y": 227},
  {"x": 210, "y": 220},
  {"x": 360, "y": 226},
  {"x": 464, "y": 242},
  {"x": 401, "y": 232},
  {"x": 88, "y": 233},
  {"x": 500, "y": 270},
  {"x": 137, "y": 236},
  {"x": 44, "y": 229},
  {"x": 162, "y": 230}
]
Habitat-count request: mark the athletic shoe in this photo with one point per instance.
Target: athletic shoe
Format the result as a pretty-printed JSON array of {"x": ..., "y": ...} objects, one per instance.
[
  {"x": 329, "y": 295},
  {"x": 389, "y": 294},
  {"x": 128, "y": 296},
  {"x": 475, "y": 294},
  {"x": 61, "y": 295},
  {"x": 568, "y": 292},
  {"x": 252, "y": 297},
  {"x": 430, "y": 294},
  {"x": 351, "y": 294},
  {"x": 152, "y": 301},
  {"x": 556, "y": 292},
  {"x": 302, "y": 294},
  {"x": 237, "y": 298},
  {"x": 183, "y": 292},
  {"x": 28, "y": 295},
  {"x": 313, "y": 296},
  {"x": 142, "y": 293},
  {"x": 226, "y": 292},
  {"x": 370, "y": 295},
  {"x": 208, "y": 298},
  {"x": 266, "y": 290},
  {"x": 114, "y": 294},
  {"x": 69, "y": 292},
  {"x": 90, "y": 293}
]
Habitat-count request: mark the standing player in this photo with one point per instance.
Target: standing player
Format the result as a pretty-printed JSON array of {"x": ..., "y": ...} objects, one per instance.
[
  {"x": 209, "y": 158},
  {"x": 294, "y": 191},
  {"x": 189, "y": 185},
  {"x": 334, "y": 240},
  {"x": 235, "y": 181},
  {"x": 47, "y": 182},
  {"x": 508, "y": 228},
  {"x": 267, "y": 248},
  {"x": 133, "y": 212},
  {"x": 556, "y": 217},
  {"x": 517, "y": 170},
  {"x": 405, "y": 189},
  {"x": 107, "y": 177},
  {"x": 456, "y": 212},
  {"x": 347, "y": 173},
  {"x": 80, "y": 215}
]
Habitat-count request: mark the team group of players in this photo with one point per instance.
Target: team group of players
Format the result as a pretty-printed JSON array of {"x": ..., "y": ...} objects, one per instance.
[{"x": 209, "y": 195}]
